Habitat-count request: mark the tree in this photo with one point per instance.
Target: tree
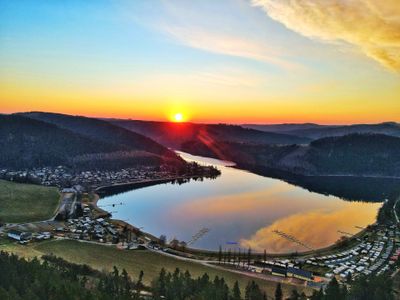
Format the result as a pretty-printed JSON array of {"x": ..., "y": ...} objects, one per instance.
[
  {"x": 253, "y": 291},
  {"x": 236, "y": 295},
  {"x": 219, "y": 255},
  {"x": 294, "y": 295},
  {"x": 317, "y": 295},
  {"x": 278, "y": 292},
  {"x": 159, "y": 285},
  {"x": 139, "y": 283},
  {"x": 333, "y": 290},
  {"x": 239, "y": 257},
  {"x": 248, "y": 257},
  {"x": 349, "y": 278},
  {"x": 163, "y": 239}
]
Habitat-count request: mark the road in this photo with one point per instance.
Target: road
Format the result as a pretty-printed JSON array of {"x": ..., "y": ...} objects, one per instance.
[
  {"x": 212, "y": 264},
  {"x": 394, "y": 210}
]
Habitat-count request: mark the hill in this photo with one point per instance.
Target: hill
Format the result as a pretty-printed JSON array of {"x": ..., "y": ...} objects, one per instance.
[
  {"x": 367, "y": 154},
  {"x": 286, "y": 127},
  {"x": 102, "y": 131},
  {"x": 315, "y": 131},
  {"x": 175, "y": 134},
  {"x": 27, "y": 143},
  {"x": 355, "y": 154}
]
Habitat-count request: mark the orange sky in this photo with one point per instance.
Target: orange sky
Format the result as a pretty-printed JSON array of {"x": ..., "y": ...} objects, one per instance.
[{"x": 227, "y": 61}]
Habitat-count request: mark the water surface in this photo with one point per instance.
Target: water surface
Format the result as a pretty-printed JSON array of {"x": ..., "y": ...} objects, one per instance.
[{"x": 241, "y": 209}]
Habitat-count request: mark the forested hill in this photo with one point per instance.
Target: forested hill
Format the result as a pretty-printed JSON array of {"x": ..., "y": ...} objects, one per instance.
[
  {"x": 175, "y": 134},
  {"x": 101, "y": 131},
  {"x": 27, "y": 143},
  {"x": 356, "y": 154},
  {"x": 315, "y": 131}
]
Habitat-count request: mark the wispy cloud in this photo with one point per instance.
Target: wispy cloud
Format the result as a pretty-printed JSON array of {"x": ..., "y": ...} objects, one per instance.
[
  {"x": 226, "y": 44},
  {"x": 373, "y": 26}
]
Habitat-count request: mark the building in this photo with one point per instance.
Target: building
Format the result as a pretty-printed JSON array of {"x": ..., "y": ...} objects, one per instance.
[
  {"x": 278, "y": 271},
  {"x": 299, "y": 273},
  {"x": 19, "y": 235}
]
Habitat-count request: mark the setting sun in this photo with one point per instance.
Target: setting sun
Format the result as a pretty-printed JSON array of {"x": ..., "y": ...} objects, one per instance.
[{"x": 178, "y": 117}]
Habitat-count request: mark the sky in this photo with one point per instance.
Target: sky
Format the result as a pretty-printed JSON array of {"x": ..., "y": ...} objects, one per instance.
[{"x": 236, "y": 61}]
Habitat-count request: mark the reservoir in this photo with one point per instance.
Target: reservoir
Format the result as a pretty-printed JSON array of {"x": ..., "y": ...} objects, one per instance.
[{"x": 241, "y": 210}]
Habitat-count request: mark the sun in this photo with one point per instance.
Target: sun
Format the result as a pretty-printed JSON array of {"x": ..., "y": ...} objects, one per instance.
[{"x": 178, "y": 117}]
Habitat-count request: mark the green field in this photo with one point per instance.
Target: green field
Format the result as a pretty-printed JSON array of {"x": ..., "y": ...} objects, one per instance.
[
  {"x": 105, "y": 257},
  {"x": 26, "y": 202}
]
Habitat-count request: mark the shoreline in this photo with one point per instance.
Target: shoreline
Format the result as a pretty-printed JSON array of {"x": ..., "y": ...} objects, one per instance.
[
  {"x": 145, "y": 182},
  {"x": 204, "y": 252}
]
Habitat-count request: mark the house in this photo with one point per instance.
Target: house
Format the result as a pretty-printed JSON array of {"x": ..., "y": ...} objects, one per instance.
[
  {"x": 19, "y": 235},
  {"x": 299, "y": 273},
  {"x": 68, "y": 190},
  {"x": 278, "y": 271}
]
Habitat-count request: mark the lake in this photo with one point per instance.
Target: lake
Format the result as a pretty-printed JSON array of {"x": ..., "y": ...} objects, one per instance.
[{"x": 241, "y": 210}]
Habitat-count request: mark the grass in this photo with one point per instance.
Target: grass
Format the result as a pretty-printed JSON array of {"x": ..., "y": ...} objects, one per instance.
[
  {"x": 21, "y": 202},
  {"x": 105, "y": 257}
]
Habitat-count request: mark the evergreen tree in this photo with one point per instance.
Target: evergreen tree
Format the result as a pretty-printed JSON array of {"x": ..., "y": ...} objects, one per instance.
[
  {"x": 278, "y": 292},
  {"x": 253, "y": 291},
  {"x": 236, "y": 295},
  {"x": 294, "y": 295},
  {"x": 248, "y": 257},
  {"x": 333, "y": 290}
]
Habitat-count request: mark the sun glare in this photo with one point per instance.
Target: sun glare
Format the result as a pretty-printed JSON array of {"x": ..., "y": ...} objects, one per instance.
[{"x": 178, "y": 117}]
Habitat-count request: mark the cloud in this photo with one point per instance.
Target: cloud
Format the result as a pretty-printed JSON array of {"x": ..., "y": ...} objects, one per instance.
[
  {"x": 373, "y": 26},
  {"x": 226, "y": 44}
]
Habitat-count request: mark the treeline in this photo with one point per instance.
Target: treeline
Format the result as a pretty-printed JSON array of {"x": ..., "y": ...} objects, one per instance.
[
  {"x": 55, "y": 278},
  {"x": 363, "y": 288},
  {"x": 180, "y": 286}
]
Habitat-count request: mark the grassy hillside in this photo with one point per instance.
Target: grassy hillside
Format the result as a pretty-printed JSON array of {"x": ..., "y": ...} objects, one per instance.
[
  {"x": 105, "y": 257},
  {"x": 26, "y": 202}
]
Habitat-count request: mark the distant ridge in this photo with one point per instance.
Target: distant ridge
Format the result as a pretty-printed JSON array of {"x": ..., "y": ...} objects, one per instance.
[
  {"x": 315, "y": 131},
  {"x": 286, "y": 127},
  {"x": 27, "y": 140},
  {"x": 175, "y": 134}
]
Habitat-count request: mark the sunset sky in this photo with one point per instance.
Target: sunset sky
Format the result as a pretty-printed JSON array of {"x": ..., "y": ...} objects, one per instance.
[{"x": 261, "y": 61}]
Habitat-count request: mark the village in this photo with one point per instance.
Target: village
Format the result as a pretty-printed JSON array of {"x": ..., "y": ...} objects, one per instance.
[
  {"x": 375, "y": 252},
  {"x": 62, "y": 176}
]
